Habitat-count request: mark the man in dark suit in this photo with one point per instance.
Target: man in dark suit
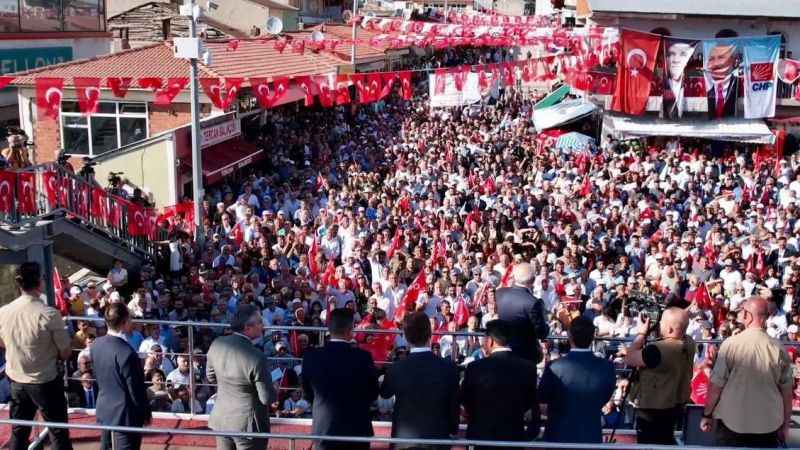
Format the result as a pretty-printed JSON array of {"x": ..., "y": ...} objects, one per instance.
[
  {"x": 425, "y": 388},
  {"x": 781, "y": 256},
  {"x": 498, "y": 390},
  {"x": 721, "y": 83},
  {"x": 341, "y": 382},
  {"x": 575, "y": 388},
  {"x": 122, "y": 397},
  {"x": 524, "y": 313},
  {"x": 244, "y": 384}
]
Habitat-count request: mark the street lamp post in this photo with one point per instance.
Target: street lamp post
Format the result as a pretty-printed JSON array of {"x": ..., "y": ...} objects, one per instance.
[
  {"x": 192, "y": 10},
  {"x": 353, "y": 49}
]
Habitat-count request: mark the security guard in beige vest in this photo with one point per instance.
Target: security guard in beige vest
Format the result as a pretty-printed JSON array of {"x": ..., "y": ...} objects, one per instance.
[{"x": 665, "y": 375}]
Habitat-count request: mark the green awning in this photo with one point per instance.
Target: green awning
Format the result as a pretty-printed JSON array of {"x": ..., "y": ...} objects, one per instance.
[{"x": 553, "y": 97}]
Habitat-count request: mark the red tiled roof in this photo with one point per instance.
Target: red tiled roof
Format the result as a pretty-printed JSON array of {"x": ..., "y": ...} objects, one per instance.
[
  {"x": 364, "y": 51},
  {"x": 253, "y": 57}
]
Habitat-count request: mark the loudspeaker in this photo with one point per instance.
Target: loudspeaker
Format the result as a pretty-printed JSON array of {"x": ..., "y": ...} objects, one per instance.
[{"x": 692, "y": 435}]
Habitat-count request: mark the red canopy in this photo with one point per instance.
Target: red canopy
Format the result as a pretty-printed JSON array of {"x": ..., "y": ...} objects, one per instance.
[{"x": 222, "y": 159}]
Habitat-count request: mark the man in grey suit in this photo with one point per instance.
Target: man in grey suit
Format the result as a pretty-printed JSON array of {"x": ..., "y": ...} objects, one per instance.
[
  {"x": 244, "y": 384},
  {"x": 575, "y": 388}
]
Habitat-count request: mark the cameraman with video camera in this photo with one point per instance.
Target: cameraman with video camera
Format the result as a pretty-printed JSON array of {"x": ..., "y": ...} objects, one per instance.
[{"x": 664, "y": 376}]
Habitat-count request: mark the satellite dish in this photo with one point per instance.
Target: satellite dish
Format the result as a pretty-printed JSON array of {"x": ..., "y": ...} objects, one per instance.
[
  {"x": 347, "y": 16},
  {"x": 274, "y": 26},
  {"x": 317, "y": 36}
]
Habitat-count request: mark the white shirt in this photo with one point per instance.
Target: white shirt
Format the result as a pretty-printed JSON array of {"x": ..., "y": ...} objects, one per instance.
[
  {"x": 177, "y": 378},
  {"x": 420, "y": 350}
]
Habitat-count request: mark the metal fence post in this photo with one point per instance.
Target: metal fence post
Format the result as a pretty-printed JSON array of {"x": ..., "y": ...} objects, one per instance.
[{"x": 191, "y": 370}]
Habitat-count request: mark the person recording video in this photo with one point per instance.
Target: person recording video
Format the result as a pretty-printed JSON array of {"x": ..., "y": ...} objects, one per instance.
[{"x": 664, "y": 376}]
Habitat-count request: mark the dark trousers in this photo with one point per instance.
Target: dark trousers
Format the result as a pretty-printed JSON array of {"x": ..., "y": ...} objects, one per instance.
[
  {"x": 657, "y": 426},
  {"x": 120, "y": 441},
  {"x": 229, "y": 443},
  {"x": 327, "y": 445},
  {"x": 728, "y": 438},
  {"x": 48, "y": 398}
]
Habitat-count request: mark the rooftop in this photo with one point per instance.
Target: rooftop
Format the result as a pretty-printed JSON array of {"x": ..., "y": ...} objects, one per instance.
[
  {"x": 273, "y": 4},
  {"x": 749, "y": 8},
  {"x": 253, "y": 58}
]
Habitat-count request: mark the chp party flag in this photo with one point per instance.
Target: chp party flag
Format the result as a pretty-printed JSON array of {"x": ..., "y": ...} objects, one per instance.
[
  {"x": 677, "y": 53},
  {"x": 760, "y": 75},
  {"x": 635, "y": 71},
  {"x": 720, "y": 64}
]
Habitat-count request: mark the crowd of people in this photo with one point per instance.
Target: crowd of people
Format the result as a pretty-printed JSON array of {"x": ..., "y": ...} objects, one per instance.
[{"x": 356, "y": 207}]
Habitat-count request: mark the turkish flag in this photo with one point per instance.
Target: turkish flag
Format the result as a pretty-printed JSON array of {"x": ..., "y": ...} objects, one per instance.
[
  {"x": 26, "y": 193},
  {"x": 483, "y": 80},
  {"x": 50, "y": 182},
  {"x": 5, "y": 81},
  {"x": 460, "y": 76},
  {"x": 119, "y": 86},
  {"x": 58, "y": 289},
  {"x": 326, "y": 93},
  {"x": 280, "y": 45},
  {"x": 342, "y": 90},
  {"x": 308, "y": 86},
  {"x": 359, "y": 80},
  {"x": 261, "y": 89},
  {"x": 238, "y": 233},
  {"x": 151, "y": 83},
  {"x": 586, "y": 187},
  {"x": 100, "y": 209},
  {"x": 397, "y": 241},
  {"x": 313, "y": 267},
  {"x": 114, "y": 218},
  {"x": 281, "y": 86},
  {"x": 49, "y": 92},
  {"x": 439, "y": 81},
  {"x": 327, "y": 277},
  {"x": 84, "y": 195},
  {"x": 508, "y": 74},
  {"x": 214, "y": 87},
  {"x": 137, "y": 224},
  {"x": 151, "y": 223},
  {"x": 410, "y": 297},
  {"x": 298, "y": 46},
  {"x": 375, "y": 84},
  {"x": 702, "y": 298},
  {"x": 88, "y": 90},
  {"x": 388, "y": 84},
  {"x": 406, "y": 88},
  {"x": 165, "y": 95},
  {"x": 461, "y": 313},
  {"x": 635, "y": 66}
]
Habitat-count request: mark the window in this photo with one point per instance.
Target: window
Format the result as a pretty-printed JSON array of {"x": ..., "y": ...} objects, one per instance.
[
  {"x": 36, "y": 16},
  {"x": 41, "y": 15},
  {"x": 83, "y": 15},
  {"x": 115, "y": 125},
  {"x": 9, "y": 16},
  {"x": 726, "y": 33}
]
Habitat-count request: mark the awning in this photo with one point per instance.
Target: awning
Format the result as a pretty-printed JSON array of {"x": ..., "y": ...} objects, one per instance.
[
  {"x": 222, "y": 159},
  {"x": 564, "y": 112},
  {"x": 753, "y": 131},
  {"x": 552, "y": 98}
]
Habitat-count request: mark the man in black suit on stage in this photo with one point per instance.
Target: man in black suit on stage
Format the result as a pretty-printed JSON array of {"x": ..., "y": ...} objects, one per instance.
[
  {"x": 122, "y": 397},
  {"x": 498, "y": 390},
  {"x": 342, "y": 383},
  {"x": 425, "y": 388},
  {"x": 524, "y": 313},
  {"x": 575, "y": 388}
]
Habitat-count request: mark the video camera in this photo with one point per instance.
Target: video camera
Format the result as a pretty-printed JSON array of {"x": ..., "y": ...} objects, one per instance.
[
  {"x": 87, "y": 170},
  {"x": 647, "y": 306},
  {"x": 114, "y": 178}
]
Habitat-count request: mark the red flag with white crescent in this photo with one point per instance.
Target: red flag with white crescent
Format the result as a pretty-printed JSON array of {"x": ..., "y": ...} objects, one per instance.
[
  {"x": 26, "y": 193},
  {"x": 58, "y": 289},
  {"x": 49, "y": 92},
  {"x": 635, "y": 66},
  {"x": 461, "y": 313},
  {"x": 50, "y": 182},
  {"x": 359, "y": 80},
  {"x": 88, "y": 90},
  {"x": 165, "y": 95},
  {"x": 397, "y": 241},
  {"x": 408, "y": 303},
  {"x": 308, "y": 86},
  {"x": 388, "y": 84},
  {"x": 375, "y": 85},
  {"x": 342, "y": 96},
  {"x": 327, "y": 94},
  {"x": 119, "y": 86},
  {"x": 136, "y": 219},
  {"x": 406, "y": 88},
  {"x": 100, "y": 208},
  {"x": 261, "y": 89},
  {"x": 439, "y": 81}
]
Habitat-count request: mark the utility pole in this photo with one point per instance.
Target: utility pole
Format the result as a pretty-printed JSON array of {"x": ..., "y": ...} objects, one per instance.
[
  {"x": 353, "y": 49},
  {"x": 192, "y": 10}
]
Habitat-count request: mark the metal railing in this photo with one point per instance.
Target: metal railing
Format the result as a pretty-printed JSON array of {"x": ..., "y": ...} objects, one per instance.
[
  {"x": 321, "y": 331},
  {"x": 293, "y": 438},
  {"x": 44, "y": 191}
]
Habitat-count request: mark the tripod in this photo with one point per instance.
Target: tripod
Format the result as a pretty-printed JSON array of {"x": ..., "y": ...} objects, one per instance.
[{"x": 632, "y": 379}]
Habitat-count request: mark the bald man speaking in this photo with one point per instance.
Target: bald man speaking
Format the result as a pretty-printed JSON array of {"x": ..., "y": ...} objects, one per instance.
[
  {"x": 750, "y": 393},
  {"x": 517, "y": 306},
  {"x": 664, "y": 379}
]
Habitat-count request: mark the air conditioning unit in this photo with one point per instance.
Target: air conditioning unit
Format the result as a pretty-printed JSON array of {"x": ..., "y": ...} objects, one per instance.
[{"x": 188, "y": 48}]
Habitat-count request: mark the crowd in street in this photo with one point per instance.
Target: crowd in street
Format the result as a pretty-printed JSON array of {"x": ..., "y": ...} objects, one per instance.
[{"x": 354, "y": 203}]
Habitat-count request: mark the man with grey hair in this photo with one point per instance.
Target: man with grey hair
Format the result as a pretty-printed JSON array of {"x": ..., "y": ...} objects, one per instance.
[
  {"x": 244, "y": 384},
  {"x": 524, "y": 313}
]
